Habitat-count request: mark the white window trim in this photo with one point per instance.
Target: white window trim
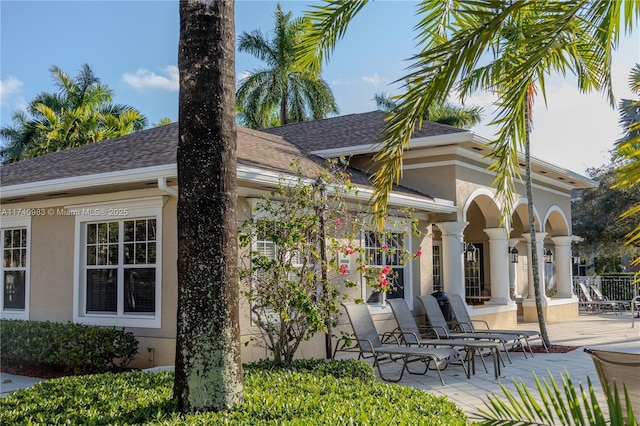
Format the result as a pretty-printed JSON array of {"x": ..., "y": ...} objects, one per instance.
[
  {"x": 115, "y": 210},
  {"x": 401, "y": 225},
  {"x": 10, "y": 223}
]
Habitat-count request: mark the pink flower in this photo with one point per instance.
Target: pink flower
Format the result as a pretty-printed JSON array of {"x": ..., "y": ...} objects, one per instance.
[
  {"x": 338, "y": 223},
  {"x": 419, "y": 253},
  {"x": 385, "y": 271},
  {"x": 383, "y": 284},
  {"x": 363, "y": 268},
  {"x": 348, "y": 249},
  {"x": 344, "y": 270},
  {"x": 384, "y": 247}
]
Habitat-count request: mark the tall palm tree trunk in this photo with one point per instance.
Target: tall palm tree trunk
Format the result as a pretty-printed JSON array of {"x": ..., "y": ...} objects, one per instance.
[
  {"x": 284, "y": 109},
  {"x": 208, "y": 374},
  {"x": 532, "y": 222}
]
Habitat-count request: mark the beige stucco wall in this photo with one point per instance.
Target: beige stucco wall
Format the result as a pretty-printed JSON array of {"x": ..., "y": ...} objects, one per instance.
[
  {"x": 552, "y": 313},
  {"x": 51, "y": 293}
]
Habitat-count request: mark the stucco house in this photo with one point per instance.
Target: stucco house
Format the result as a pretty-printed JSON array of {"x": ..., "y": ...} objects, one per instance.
[{"x": 89, "y": 234}]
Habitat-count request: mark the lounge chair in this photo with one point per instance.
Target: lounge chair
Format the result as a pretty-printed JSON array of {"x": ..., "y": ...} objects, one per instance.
[
  {"x": 440, "y": 328},
  {"x": 370, "y": 345},
  {"x": 466, "y": 324},
  {"x": 620, "y": 305},
  {"x": 411, "y": 336},
  {"x": 588, "y": 302},
  {"x": 619, "y": 369}
]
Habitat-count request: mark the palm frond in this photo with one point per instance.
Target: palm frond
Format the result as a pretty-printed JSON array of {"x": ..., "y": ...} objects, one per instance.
[{"x": 553, "y": 406}]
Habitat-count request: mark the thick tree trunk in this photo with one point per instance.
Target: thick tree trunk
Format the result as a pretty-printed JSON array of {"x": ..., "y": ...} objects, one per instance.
[
  {"x": 532, "y": 228},
  {"x": 208, "y": 374}
]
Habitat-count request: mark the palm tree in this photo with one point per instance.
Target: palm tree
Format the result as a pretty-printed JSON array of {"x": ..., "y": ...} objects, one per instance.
[
  {"x": 81, "y": 112},
  {"x": 208, "y": 373},
  {"x": 628, "y": 151},
  {"x": 282, "y": 85},
  {"x": 442, "y": 112}
]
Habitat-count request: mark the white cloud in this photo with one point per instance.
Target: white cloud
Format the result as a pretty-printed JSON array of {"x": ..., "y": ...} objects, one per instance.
[
  {"x": 375, "y": 79},
  {"x": 9, "y": 89},
  {"x": 145, "y": 79}
]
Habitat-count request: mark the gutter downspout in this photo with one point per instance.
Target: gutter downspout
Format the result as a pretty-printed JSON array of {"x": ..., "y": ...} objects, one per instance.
[{"x": 162, "y": 185}]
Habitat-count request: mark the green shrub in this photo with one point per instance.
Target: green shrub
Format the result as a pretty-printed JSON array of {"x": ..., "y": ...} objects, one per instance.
[
  {"x": 348, "y": 368},
  {"x": 292, "y": 396},
  {"x": 74, "y": 348}
]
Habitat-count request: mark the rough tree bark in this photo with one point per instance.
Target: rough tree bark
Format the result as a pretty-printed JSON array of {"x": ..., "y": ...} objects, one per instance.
[
  {"x": 208, "y": 374},
  {"x": 535, "y": 271}
]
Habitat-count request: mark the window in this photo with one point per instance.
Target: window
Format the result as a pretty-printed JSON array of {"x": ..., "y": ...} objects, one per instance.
[
  {"x": 437, "y": 268},
  {"x": 473, "y": 272},
  {"x": 119, "y": 267},
  {"x": 15, "y": 268},
  {"x": 382, "y": 250}
]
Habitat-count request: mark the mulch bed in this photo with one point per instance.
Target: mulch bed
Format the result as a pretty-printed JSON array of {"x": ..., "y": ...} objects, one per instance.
[
  {"x": 553, "y": 349},
  {"x": 41, "y": 373}
]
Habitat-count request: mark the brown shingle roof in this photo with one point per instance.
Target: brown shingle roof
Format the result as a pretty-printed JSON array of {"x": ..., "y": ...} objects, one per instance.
[
  {"x": 259, "y": 149},
  {"x": 348, "y": 130},
  {"x": 155, "y": 147}
]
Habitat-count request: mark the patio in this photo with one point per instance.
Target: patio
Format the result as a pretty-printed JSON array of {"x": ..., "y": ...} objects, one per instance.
[{"x": 608, "y": 330}]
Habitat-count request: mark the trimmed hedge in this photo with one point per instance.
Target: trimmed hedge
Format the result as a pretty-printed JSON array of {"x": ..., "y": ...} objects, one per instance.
[
  {"x": 298, "y": 395},
  {"x": 73, "y": 348}
]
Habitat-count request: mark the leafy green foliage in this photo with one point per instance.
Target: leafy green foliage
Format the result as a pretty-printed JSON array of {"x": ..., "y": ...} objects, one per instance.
[
  {"x": 440, "y": 112},
  {"x": 566, "y": 406},
  {"x": 628, "y": 155},
  {"x": 81, "y": 112},
  {"x": 596, "y": 217},
  {"x": 290, "y": 284},
  {"x": 282, "y": 92},
  {"x": 74, "y": 348},
  {"x": 278, "y": 396}
]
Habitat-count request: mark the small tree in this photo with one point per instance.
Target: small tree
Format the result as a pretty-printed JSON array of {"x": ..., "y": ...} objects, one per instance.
[{"x": 290, "y": 297}]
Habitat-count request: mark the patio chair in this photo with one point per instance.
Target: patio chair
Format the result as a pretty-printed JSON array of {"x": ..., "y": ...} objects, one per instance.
[
  {"x": 411, "y": 336},
  {"x": 619, "y": 370},
  {"x": 466, "y": 324},
  {"x": 369, "y": 344},
  {"x": 595, "y": 305},
  {"x": 620, "y": 305},
  {"x": 440, "y": 328}
]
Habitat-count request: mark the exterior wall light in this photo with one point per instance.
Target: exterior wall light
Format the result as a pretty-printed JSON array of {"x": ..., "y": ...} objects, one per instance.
[
  {"x": 470, "y": 253},
  {"x": 548, "y": 256},
  {"x": 513, "y": 254}
]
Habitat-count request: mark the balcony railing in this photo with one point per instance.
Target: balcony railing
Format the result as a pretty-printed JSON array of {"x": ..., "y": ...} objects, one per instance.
[{"x": 613, "y": 287}]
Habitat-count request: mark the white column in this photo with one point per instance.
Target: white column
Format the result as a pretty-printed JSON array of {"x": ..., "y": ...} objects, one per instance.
[
  {"x": 513, "y": 269},
  {"x": 452, "y": 260},
  {"x": 539, "y": 250},
  {"x": 498, "y": 266},
  {"x": 562, "y": 260}
]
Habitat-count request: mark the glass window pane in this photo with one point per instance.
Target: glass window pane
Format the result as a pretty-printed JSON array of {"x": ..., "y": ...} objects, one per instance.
[
  {"x": 141, "y": 253},
  {"x": 103, "y": 230},
  {"x": 91, "y": 233},
  {"x": 140, "y": 290},
  {"x": 151, "y": 226},
  {"x": 14, "y": 289},
  {"x": 7, "y": 239},
  {"x": 23, "y": 241},
  {"x": 91, "y": 255},
  {"x": 102, "y": 254},
  {"x": 22, "y": 255},
  {"x": 113, "y": 232},
  {"x": 102, "y": 287},
  {"x": 129, "y": 254},
  {"x": 151, "y": 253},
  {"x": 129, "y": 234},
  {"x": 7, "y": 258},
  {"x": 141, "y": 230},
  {"x": 16, "y": 238},
  {"x": 113, "y": 254}
]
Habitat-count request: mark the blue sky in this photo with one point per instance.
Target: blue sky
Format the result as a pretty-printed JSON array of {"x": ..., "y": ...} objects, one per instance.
[{"x": 132, "y": 47}]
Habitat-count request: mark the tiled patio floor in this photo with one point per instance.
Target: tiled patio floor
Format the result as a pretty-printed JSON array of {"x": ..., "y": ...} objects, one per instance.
[{"x": 590, "y": 330}]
